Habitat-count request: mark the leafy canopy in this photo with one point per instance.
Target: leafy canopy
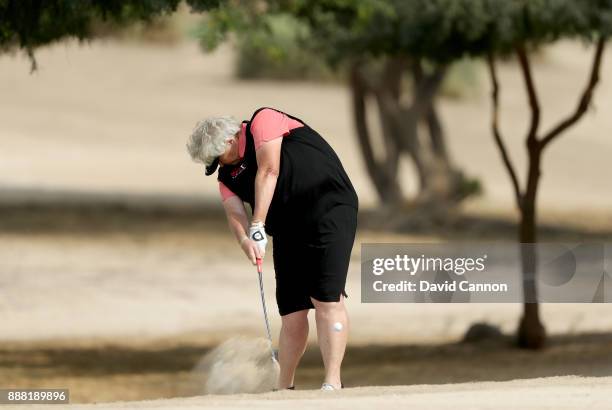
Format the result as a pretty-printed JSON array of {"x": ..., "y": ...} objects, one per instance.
[
  {"x": 27, "y": 24},
  {"x": 446, "y": 30}
]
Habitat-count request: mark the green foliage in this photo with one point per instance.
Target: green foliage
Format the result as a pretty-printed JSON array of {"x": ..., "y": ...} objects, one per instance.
[
  {"x": 27, "y": 24},
  {"x": 218, "y": 23},
  {"x": 282, "y": 46},
  {"x": 445, "y": 30},
  {"x": 439, "y": 30},
  {"x": 344, "y": 29},
  {"x": 30, "y": 23},
  {"x": 280, "y": 50}
]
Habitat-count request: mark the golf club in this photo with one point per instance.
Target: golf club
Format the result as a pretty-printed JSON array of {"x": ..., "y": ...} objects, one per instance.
[{"x": 265, "y": 310}]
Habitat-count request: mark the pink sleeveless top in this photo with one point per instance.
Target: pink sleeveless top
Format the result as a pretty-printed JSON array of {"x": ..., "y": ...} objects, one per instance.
[{"x": 267, "y": 125}]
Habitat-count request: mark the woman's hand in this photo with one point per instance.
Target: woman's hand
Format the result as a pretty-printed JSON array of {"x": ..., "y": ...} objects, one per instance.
[
  {"x": 257, "y": 234},
  {"x": 250, "y": 249}
]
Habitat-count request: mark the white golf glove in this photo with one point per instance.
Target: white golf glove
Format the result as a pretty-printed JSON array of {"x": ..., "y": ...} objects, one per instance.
[{"x": 257, "y": 234}]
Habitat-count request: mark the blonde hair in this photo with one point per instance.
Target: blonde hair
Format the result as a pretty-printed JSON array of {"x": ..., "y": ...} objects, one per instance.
[{"x": 207, "y": 140}]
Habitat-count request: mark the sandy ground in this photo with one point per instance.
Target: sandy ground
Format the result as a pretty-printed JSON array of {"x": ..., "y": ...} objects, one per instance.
[
  {"x": 144, "y": 285},
  {"x": 127, "y": 314},
  {"x": 118, "y": 310},
  {"x": 553, "y": 393},
  {"x": 544, "y": 393}
]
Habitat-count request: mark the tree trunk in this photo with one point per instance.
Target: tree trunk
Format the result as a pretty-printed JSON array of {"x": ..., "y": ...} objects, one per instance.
[
  {"x": 383, "y": 173},
  {"x": 436, "y": 134},
  {"x": 390, "y": 85},
  {"x": 440, "y": 184},
  {"x": 531, "y": 333},
  {"x": 445, "y": 182},
  {"x": 437, "y": 179}
]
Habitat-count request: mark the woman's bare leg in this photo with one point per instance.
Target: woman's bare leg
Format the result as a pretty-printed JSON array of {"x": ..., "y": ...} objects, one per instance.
[
  {"x": 332, "y": 332},
  {"x": 292, "y": 344}
]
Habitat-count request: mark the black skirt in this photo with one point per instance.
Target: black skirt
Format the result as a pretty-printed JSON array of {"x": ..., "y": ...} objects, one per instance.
[{"x": 314, "y": 265}]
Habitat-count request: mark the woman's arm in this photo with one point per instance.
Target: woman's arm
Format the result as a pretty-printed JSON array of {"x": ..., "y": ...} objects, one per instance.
[
  {"x": 268, "y": 164},
  {"x": 238, "y": 222}
]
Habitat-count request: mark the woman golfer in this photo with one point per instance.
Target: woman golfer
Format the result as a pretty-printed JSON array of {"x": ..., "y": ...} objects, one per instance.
[{"x": 300, "y": 195}]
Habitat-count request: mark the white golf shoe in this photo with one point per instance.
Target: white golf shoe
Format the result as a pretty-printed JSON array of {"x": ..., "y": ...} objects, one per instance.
[{"x": 329, "y": 387}]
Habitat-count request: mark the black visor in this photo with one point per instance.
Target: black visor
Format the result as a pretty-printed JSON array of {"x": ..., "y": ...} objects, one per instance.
[{"x": 210, "y": 169}]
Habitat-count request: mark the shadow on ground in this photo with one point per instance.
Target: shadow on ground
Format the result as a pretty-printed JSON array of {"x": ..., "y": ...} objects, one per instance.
[{"x": 139, "y": 215}]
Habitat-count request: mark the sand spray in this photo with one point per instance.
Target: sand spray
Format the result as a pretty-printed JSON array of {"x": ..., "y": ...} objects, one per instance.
[{"x": 238, "y": 365}]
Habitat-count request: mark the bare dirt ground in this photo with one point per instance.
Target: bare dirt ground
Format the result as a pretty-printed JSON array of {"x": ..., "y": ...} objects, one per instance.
[{"x": 116, "y": 298}]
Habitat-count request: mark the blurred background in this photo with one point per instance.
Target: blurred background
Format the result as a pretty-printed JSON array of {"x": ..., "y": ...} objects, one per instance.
[{"x": 118, "y": 271}]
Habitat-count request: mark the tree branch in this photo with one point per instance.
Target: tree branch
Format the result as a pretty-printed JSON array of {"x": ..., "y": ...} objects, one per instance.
[
  {"x": 534, "y": 104},
  {"x": 496, "y": 132},
  {"x": 585, "y": 100}
]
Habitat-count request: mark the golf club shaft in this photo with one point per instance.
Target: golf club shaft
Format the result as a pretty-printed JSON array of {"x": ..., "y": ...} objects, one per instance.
[{"x": 263, "y": 304}]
